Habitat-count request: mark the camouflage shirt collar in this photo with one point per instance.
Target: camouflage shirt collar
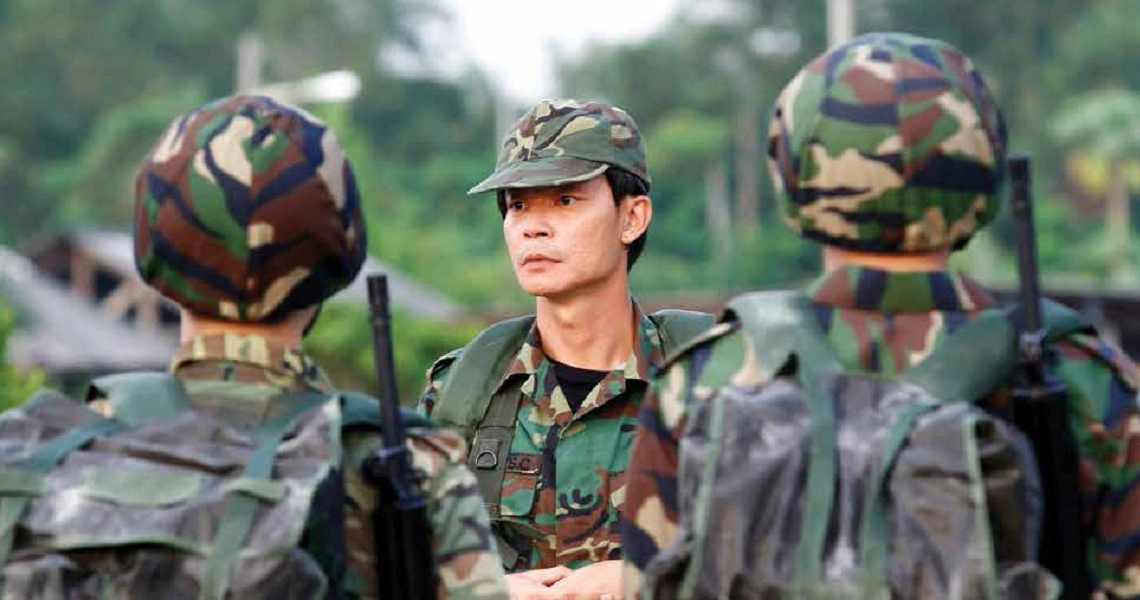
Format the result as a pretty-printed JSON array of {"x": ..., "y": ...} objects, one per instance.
[
  {"x": 645, "y": 359},
  {"x": 248, "y": 358},
  {"x": 865, "y": 288}
]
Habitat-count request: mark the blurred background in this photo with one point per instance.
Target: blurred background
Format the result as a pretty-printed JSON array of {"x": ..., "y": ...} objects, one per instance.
[{"x": 419, "y": 92}]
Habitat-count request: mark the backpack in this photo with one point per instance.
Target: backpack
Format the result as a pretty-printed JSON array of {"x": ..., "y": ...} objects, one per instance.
[
  {"x": 469, "y": 402},
  {"x": 164, "y": 501},
  {"x": 821, "y": 483}
]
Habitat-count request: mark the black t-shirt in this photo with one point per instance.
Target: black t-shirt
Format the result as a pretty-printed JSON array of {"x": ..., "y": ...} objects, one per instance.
[{"x": 576, "y": 382}]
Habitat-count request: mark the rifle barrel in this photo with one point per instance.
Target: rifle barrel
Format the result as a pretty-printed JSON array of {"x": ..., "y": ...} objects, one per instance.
[
  {"x": 393, "y": 431},
  {"x": 1021, "y": 202}
]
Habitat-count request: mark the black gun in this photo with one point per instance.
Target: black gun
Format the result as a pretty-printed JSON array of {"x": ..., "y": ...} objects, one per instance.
[
  {"x": 1040, "y": 409},
  {"x": 405, "y": 566}
]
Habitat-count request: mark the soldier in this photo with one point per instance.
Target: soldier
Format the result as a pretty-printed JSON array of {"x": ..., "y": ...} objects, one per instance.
[
  {"x": 889, "y": 152},
  {"x": 551, "y": 400},
  {"x": 248, "y": 217}
]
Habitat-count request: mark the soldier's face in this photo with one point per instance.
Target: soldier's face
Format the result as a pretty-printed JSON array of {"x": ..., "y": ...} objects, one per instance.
[{"x": 565, "y": 239}]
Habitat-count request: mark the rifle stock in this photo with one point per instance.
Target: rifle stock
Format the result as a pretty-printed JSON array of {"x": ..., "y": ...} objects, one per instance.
[
  {"x": 1040, "y": 408},
  {"x": 401, "y": 531}
]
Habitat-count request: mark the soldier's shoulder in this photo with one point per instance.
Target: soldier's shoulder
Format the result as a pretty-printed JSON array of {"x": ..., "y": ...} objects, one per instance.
[
  {"x": 1090, "y": 345},
  {"x": 704, "y": 341},
  {"x": 433, "y": 450},
  {"x": 494, "y": 336},
  {"x": 440, "y": 366}
]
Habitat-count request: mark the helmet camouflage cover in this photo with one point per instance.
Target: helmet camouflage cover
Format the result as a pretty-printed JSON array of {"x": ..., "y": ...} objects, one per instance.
[
  {"x": 245, "y": 209},
  {"x": 888, "y": 143},
  {"x": 566, "y": 141}
]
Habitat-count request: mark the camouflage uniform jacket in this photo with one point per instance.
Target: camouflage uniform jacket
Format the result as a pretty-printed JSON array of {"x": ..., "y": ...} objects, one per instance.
[
  {"x": 234, "y": 377},
  {"x": 564, "y": 487},
  {"x": 884, "y": 322}
]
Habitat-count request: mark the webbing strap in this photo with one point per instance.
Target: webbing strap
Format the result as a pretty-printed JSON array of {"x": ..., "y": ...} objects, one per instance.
[
  {"x": 241, "y": 506},
  {"x": 39, "y": 462},
  {"x": 982, "y": 529},
  {"x": 141, "y": 396},
  {"x": 703, "y": 500},
  {"x": 820, "y": 482},
  {"x": 487, "y": 458},
  {"x": 874, "y": 546},
  {"x": 782, "y": 325}
]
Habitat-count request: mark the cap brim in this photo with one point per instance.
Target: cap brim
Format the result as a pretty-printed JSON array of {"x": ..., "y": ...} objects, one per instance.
[{"x": 541, "y": 172}]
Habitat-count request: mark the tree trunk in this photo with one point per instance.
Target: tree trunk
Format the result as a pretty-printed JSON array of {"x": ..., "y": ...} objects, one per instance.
[
  {"x": 718, "y": 217},
  {"x": 748, "y": 164},
  {"x": 1119, "y": 222}
]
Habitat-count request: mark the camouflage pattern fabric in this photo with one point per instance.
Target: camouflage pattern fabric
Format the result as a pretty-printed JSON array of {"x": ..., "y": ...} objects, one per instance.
[
  {"x": 227, "y": 375},
  {"x": 566, "y": 141},
  {"x": 887, "y": 143},
  {"x": 882, "y": 322},
  {"x": 564, "y": 487},
  {"x": 245, "y": 209}
]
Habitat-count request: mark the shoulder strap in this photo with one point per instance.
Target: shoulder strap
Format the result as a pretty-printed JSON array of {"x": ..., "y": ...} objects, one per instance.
[
  {"x": 677, "y": 327},
  {"x": 980, "y": 356},
  {"x": 469, "y": 399},
  {"x": 1062, "y": 321},
  {"x": 466, "y": 392},
  {"x": 141, "y": 396},
  {"x": 780, "y": 324},
  {"x": 487, "y": 457},
  {"x": 970, "y": 362}
]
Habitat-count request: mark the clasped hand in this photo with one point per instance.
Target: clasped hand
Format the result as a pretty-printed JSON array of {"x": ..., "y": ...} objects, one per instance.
[{"x": 599, "y": 581}]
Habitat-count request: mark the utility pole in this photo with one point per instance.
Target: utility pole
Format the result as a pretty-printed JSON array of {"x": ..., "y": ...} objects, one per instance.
[
  {"x": 748, "y": 158},
  {"x": 250, "y": 52},
  {"x": 840, "y": 21},
  {"x": 330, "y": 86}
]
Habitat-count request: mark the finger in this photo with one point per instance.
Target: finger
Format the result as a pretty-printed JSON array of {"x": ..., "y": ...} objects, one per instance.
[{"x": 548, "y": 576}]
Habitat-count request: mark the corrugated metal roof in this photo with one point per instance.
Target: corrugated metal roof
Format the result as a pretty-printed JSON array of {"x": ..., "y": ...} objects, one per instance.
[
  {"x": 114, "y": 250},
  {"x": 63, "y": 333}
]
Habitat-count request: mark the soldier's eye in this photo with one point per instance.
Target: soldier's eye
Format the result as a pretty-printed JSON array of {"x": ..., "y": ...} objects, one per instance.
[
  {"x": 566, "y": 200},
  {"x": 515, "y": 205}
]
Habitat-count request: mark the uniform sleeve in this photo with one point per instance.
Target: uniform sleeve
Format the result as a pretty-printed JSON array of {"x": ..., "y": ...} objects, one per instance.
[
  {"x": 1102, "y": 388},
  {"x": 466, "y": 561},
  {"x": 1102, "y": 385},
  {"x": 650, "y": 520},
  {"x": 469, "y": 565}
]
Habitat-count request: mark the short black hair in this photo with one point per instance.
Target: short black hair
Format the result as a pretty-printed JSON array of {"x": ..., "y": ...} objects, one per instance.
[{"x": 622, "y": 184}]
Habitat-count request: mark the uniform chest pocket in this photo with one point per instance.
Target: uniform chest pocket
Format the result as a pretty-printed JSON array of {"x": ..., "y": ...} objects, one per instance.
[{"x": 520, "y": 485}]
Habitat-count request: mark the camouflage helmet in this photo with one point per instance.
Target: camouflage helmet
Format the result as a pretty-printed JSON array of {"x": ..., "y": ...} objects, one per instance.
[
  {"x": 246, "y": 209},
  {"x": 888, "y": 143},
  {"x": 566, "y": 141}
]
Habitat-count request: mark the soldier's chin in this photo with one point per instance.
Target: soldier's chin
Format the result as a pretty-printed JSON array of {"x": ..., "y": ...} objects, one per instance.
[{"x": 542, "y": 285}]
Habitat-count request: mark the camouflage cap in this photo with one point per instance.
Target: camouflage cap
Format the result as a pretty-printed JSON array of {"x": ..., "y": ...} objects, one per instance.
[
  {"x": 888, "y": 143},
  {"x": 245, "y": 209},
  {"x": 565, "y": 141}
]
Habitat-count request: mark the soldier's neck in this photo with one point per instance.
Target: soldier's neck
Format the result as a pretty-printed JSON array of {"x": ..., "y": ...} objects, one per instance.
[
  {"x": 837, "y": 258},
  {"x": 591, "y": 328},
  {"x": 288, "y": 331}
]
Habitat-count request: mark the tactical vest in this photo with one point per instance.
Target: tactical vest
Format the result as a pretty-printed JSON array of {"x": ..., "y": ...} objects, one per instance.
[
  {"x": 162, "y": 501},
  {"x": 471, "y": 399},
  {"x": 798, "y": 479}
]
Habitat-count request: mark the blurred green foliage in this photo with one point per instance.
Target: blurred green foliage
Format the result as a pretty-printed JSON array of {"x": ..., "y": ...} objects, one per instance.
[
  {"x": 92, "y": 84},
  {"x": 15, "y": 385},
  {"x": 342, "y": 345}
]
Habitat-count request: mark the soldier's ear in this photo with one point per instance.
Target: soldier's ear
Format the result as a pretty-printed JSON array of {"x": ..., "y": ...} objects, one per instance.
[{"x": 635, "y": 213}]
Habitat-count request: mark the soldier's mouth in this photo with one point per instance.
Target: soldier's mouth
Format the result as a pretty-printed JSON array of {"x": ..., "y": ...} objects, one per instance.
[{"x": 536, "y": 259}]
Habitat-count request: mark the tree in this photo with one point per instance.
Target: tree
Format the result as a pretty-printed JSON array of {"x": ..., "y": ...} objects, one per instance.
[
  {"x": 1106, "y": 125},
  {"x": 15, "y": 385}
]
